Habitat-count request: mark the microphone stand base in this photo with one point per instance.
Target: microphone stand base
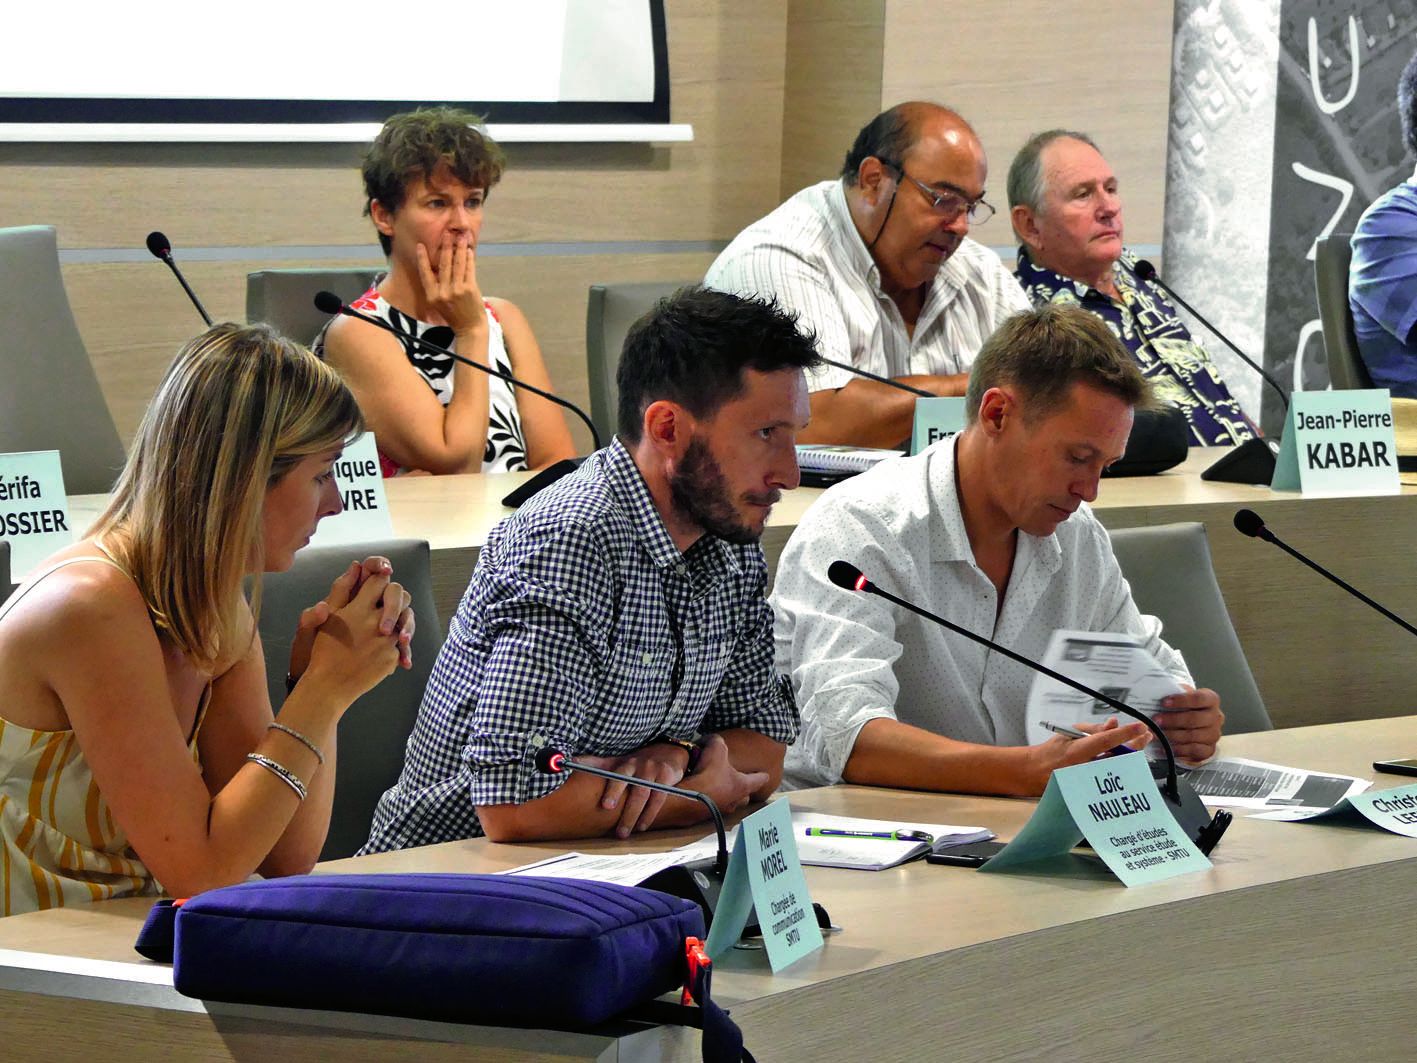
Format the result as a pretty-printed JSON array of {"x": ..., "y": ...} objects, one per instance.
[
  {"x": 699, "y": 881},
  {"x": 1190, "y": 811},
  {"x": 1252, "y": 462}
]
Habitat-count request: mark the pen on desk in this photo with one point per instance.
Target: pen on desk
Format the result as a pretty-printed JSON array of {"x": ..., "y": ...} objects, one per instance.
[
  {"x": 878, "y": 835},
  {"x": 1074, "y": 733}
]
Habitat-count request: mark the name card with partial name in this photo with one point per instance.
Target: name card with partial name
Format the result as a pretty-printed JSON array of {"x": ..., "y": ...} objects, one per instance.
[
  {"x": 34, "y": 511},
  {"x": 365, "y": 517},
  {"x": 1338, "y": 443},
  {"x": 936, "y": 419},
  {"x": 1393, "y": 810}
]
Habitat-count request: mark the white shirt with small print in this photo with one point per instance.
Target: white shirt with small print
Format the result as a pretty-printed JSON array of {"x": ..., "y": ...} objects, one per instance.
[
  {"x": 809, "y": 255},
  {"x": 855, "y": 657}
]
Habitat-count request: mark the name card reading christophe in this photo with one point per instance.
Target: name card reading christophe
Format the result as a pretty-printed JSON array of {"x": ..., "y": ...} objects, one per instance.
[
  {"x": 1393, "y": 810},
  {"x": 365, "y": 516},
  {"x": 34, "y": 512},
  {"x": 1115, "y": 805},
  {"x": 765, "y": 874},
  {"x": 1338, "y": 443}
]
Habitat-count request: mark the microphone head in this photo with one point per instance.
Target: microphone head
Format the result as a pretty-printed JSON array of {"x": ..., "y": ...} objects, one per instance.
[
  {"x": 328, "y": 303},
  {"x": 550, "y": 761},
  {"x": 846, "y": 576},
  {"x": 1145, "y": 270},
  {"x": 1248, "y": 522},
  {"x": 159, "y": 245}
]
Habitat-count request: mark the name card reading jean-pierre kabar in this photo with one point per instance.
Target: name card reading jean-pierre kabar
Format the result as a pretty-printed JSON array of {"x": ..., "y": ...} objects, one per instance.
[
  {"x": 34, "y": 512},
  {"x": 1338, "y": 443}
]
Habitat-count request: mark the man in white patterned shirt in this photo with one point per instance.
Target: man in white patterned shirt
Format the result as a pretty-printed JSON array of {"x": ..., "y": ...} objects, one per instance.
[
  {"x": 620, "y": 614},
  {"x": 878, "y": 263},
  {"x": 990, "y": 530}
]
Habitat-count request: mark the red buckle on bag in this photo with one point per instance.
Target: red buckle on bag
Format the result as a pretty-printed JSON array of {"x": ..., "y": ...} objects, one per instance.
[{"x": 698, "y": 962}]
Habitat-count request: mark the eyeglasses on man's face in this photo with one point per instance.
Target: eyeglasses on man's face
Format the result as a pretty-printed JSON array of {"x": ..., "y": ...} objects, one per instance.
[{"x": 948, "y": 203}]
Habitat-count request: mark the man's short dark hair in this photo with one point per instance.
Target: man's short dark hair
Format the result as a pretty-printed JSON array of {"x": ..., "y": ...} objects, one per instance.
[
  {"x": 1043, "y": 352},
  {"x": 887, "y": 137},
  {"x": 416, "y": 143},
  {"x": 692, "y": 349},
  {"x": 1407, "y": 104}
]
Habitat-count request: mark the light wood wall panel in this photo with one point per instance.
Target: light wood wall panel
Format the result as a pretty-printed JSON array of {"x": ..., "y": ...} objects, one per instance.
[
  {"x": 835, "y": 50},
  {"x": 1017, "y": 68}
]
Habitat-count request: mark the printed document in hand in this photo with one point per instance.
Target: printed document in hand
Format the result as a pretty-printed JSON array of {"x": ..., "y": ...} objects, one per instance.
[
  {"x": 1112, "y": 664},
  {"x": 861, "y": 854},
  {"x": 1278, "y": 791}
]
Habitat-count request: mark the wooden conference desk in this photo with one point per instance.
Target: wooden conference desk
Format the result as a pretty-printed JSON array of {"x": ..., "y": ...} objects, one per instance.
[
  {"x": 1298, "y": 945},
  {"x": 1318, "y": 655}
]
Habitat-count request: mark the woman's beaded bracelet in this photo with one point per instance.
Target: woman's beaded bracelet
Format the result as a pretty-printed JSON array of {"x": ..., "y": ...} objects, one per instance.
[{"x": 304, "y": 740}]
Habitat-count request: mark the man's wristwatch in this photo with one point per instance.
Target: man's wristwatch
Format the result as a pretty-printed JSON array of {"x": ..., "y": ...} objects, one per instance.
[{"x": 690, "y": 746}]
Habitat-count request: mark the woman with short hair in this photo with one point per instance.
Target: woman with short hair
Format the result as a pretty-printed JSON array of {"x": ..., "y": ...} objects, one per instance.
[{"x": 426, "y": 181}]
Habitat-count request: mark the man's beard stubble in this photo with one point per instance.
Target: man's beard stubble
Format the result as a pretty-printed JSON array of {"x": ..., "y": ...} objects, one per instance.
[{"x": 699, "y": 491}]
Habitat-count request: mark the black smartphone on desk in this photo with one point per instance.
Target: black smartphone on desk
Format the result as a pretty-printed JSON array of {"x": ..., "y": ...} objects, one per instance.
[
  {"x": 1396, "y": 767},
  {"x": 971, "y": 854}
]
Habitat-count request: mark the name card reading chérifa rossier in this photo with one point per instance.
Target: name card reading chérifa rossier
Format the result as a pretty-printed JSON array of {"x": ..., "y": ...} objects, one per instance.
[
  {"x": 1338, "y": 442},
  {"x": 34, "y": 512}
]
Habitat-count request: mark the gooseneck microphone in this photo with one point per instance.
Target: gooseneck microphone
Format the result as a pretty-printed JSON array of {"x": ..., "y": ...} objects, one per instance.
[
  {"x": 1253, "y": 461},
  {"x": 921, "y": 392},
  {"x": 330, "y": 303},
  {"x": 161, "y": 247},
  {"x": 1181, "y": 799},
  {"x": 699, "y": 881},
  {"x": 1248, "y": 522},
  {"x": 1147, "y": 272}
]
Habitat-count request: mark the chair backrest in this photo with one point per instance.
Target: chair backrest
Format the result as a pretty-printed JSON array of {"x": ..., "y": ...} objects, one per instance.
[
  {"x": 50, "y": 398},
  {"x": 285, "y": 298},
  {"x": 5, "y": 585},
  {"x": 612, "y": 309},
  {"x": 1169, "y": 569},
  {"x": 374, "y": 732},
  {"x": 1332, "y": 256}
]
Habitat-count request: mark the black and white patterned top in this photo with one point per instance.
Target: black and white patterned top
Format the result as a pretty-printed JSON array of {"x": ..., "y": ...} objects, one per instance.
[
  {"x": 506, "y": 447},
  {"x": 584, "y": 628}
]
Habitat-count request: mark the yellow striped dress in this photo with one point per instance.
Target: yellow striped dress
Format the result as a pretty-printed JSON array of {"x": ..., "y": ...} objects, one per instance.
[{"x": 60, "y": 842}]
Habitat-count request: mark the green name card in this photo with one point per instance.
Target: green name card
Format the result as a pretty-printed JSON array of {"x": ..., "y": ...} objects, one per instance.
[
  {"x": 1113, "y": 803},
  {"x": 1393, "y": 810},
  {"x": 765, "y": 873},
  {"x": 1338, "y": 443},
  {"x": 34, "y": 511},
  {"x": 936, "y": 419}
]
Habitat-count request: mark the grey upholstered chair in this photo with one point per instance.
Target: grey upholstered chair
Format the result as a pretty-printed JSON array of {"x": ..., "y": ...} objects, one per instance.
[
  {"x": 50, "y": 399},
  {"x": 1332, "y": 256},
  {"x": 1169, "y": 569},
  {"x": 612, "y": 309},
  {"x": 284, "y": 298},
  {"x": 374, "y": 732}
]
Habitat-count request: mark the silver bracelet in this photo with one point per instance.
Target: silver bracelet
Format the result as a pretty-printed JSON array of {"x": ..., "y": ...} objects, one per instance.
[
  {"x": 304, "y": 740},
  {"x": 281, "y": 772}
]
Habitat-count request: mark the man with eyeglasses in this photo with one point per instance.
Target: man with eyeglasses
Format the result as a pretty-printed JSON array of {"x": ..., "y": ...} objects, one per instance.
[
  {"x": 1065, "y": 209},
  {"x": 878, "y": 262}
]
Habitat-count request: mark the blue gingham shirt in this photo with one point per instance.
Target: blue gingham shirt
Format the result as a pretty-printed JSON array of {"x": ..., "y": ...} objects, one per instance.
[
  {"x": 584, "y": 628},
  {"x": 1382, "y": 289}
]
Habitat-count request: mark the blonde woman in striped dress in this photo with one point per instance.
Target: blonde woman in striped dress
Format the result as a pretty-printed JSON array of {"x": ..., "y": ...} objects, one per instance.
[{"x": 138, "y": 749}]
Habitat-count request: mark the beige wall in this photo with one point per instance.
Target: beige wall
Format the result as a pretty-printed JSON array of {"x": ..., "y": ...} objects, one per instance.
[{"x": 775, "y": 90}]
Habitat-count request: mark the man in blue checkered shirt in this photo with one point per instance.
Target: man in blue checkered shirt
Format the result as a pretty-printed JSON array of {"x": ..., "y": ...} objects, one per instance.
[{"x": 620, "y": 614}]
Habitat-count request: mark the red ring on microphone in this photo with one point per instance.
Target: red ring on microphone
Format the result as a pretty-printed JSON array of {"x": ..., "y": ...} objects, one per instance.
[
  {"x": 557, "y": 762},
  {"x": 861, "y": 582}
]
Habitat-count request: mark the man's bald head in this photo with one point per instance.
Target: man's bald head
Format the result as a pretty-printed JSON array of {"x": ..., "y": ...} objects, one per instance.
[{"x": 892, "y": 134}]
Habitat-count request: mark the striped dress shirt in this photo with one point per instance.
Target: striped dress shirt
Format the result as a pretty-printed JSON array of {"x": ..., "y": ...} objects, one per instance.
[{"x": 809, "y": 255}]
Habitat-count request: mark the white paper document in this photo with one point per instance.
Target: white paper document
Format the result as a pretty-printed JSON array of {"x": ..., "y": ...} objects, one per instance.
[
  {"x": 1112, "y": 664},
  {"x": 1287, "y": 792},
  {"x": 625, "y": 869},
  {"x": 860, "y": 854}
]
